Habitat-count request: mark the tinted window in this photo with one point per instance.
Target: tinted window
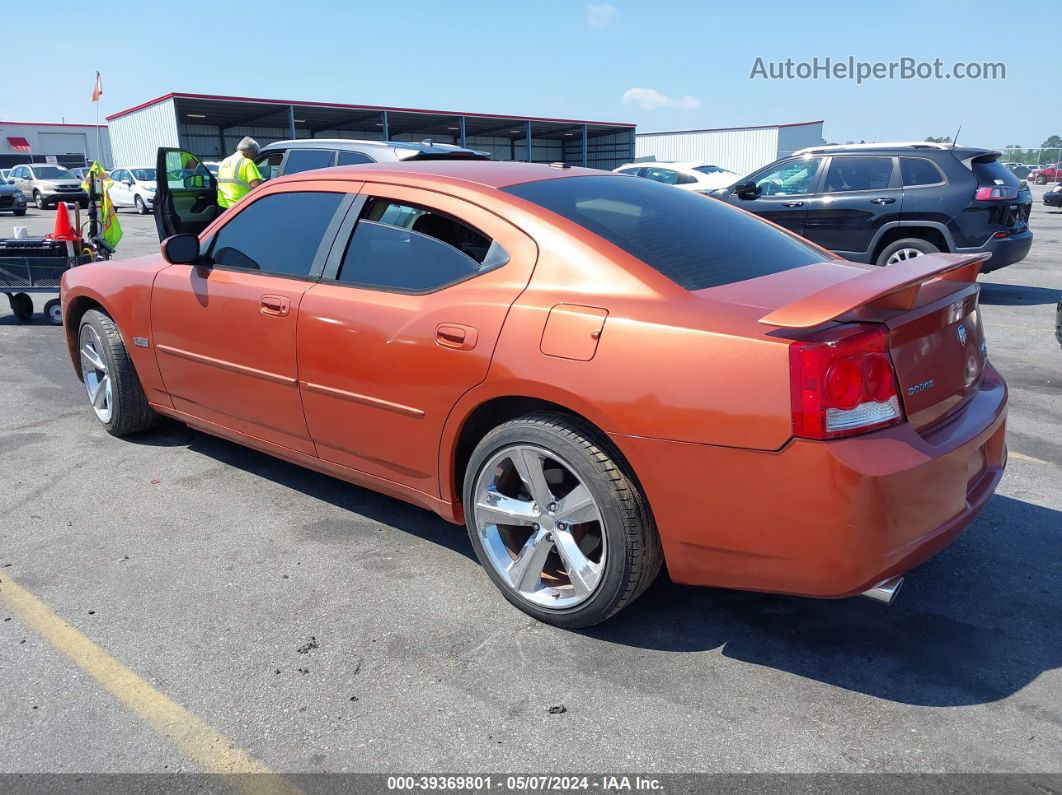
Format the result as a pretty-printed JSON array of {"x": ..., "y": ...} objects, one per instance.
[
  {"x": 665, "y": 175},
  {"x": 858, "y": 173},
  {"x": 353, "y": 158},
  {"x": 992, "y": 172},
  {"x": 269, "y": 165},
  {"x": 694, "y": 241},
  {"x": 919, "y": 171},
  {"x": 402, "y": 247},
  {"x": 791, "y": 178},
  {"x": 277, "y": 234},
  {"x": 52, "y": 172},
  {"x": 709, "y": 169},
  {"x": 635, "y": 171},
  {"x": 308, "y": 159},
  {"x": 685, "y": 179}
]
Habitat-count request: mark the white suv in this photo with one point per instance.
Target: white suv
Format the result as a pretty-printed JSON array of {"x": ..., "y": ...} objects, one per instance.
[
  {"x": 133, "y": 187},
  {"x": 699, "y": 177}
]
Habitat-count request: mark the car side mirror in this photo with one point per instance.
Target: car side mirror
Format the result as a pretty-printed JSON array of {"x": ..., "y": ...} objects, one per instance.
[
  {"x": 181, "y": 249},
  {"x": 127, "y": 182},
  {"x": 745, "y": 190}
]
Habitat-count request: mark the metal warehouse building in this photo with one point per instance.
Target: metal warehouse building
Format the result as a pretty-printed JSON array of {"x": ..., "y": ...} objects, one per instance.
[
  {"x": 35, "y": 142},
  {"x": 740, "y": 149},
  {"x": 210, "y": 127}
]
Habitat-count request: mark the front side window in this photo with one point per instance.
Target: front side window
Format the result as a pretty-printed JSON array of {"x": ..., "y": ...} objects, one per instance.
[
  {"x": 269, "y": 165},
  {"x": 403, "y": 247},
  {"x": 694, "y": 241},
  {"x": 277, "y": 234},
  {"x": 307, "y": 160},
  {"x": 858, "y": 173},
  {"x": 184, "y": 170},
  {"x": 144, "y": 174},
  {"x": 791, "y": 178}
]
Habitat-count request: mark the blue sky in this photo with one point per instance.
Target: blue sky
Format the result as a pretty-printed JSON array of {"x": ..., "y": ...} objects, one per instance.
[{"x": 560, "y": 58}]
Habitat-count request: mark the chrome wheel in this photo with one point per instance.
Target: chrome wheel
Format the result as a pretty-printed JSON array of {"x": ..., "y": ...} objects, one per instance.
[
  {"x": 903, "y": 254},
  {"x": 96, "y": 375},
  {"x": 540, "y": 526}
]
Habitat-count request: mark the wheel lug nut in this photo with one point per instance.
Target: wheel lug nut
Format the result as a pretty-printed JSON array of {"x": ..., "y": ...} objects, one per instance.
[
  {"x": 535, "y": 527},
  {"x": 552, "y": 507}
]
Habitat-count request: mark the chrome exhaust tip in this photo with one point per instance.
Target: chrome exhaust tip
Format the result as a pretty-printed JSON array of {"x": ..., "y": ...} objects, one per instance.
[{"x": 885, "y": 591}]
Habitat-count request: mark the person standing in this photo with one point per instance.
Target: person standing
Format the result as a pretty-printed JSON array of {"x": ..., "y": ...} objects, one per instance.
[{"x": 238, "y": 174}]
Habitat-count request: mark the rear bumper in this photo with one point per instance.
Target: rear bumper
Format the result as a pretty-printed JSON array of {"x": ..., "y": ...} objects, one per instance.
[
  {"x": 827, "y": 519},
  {"x": 1005, "y": 250}
]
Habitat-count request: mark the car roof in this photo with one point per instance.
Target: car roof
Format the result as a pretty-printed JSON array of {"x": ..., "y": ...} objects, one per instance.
[
  {"x": 426, "y": 146},
  {"x": 482, "y": 173},
  {"x": 898, "y": 147}
]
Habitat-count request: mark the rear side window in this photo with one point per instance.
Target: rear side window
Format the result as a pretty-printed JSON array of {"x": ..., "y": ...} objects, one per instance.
[
  {"x": 695, "y": 241},
  {"x": 858, "y": 173},
  {"x": 278, "y": 234},
  {"x": 919, "y": 171},
  {"x": 308, "y": 159},
  {"x": 685, "y": 179},
  {"x": 666, "y": 175},
  {"x": 992, "y": 172},
  {"x": 407, "y": 248},
  {"x": 353, "y": 158}
]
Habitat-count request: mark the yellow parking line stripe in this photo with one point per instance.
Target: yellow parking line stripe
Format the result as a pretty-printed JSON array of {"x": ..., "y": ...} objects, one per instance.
[
  {"x": 195, "y": 739},
  {"x": 1032, "y": 458}
]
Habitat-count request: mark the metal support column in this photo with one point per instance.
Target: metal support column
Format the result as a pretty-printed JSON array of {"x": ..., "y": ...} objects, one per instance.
[
  {"x": 528, "y": 125},
  {"x": 386, "y": 127},
  {"x": 461, "y": 133},
  {"x": 586, "y": 158},
  {"x": 221, "y": 137},
  {"x": 291, "y": 120}
]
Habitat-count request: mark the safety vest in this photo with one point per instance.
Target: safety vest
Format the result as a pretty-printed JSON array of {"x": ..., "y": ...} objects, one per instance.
[{"x": 231, "y": 188}]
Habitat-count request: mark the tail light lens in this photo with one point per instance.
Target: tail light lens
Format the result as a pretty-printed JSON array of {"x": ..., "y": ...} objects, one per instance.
[
  {"x": 990, "y": 193},
  {"x": 843, "y": 383}
]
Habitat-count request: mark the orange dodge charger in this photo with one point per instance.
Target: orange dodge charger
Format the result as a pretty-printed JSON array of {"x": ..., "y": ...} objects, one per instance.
[{"x": 597, "y": 374}]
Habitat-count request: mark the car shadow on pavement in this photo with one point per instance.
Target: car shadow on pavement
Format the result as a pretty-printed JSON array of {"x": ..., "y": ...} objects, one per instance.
[
  {"x": 1017, "y": 295},
  {"x": 975, "y": 624},
  {"x": 348, "y": 497}
]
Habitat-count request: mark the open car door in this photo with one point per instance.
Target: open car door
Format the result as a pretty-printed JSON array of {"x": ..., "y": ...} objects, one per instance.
[{"x": 186, "y": 196}]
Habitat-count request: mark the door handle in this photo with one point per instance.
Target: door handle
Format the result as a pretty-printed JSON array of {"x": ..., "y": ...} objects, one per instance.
[
  {"x": 456, "y": 336},
  {"x": 883, "y": 200},
  {"x": 275, "y": 305},
  {"x": 792, "y": 204}
]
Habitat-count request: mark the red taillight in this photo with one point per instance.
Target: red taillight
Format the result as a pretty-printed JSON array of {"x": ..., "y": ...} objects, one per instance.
[
  {"x": 843, "y": 383},
  {"x": 996, "y": 193}
]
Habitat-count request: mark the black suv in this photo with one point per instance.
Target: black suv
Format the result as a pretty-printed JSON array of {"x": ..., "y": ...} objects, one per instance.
[
  {"x": 290, "y": 157},
  {"x": 883, "y": 203}
]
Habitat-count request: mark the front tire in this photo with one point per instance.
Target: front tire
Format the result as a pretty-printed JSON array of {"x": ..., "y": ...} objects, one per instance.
[
  {"x": 557, "y": 521},
  {"x": 38, "y": 199},
  {"x": 113, "y": 387},
  {"x": 1041, "y": 180},
  {"x": 141, "y": 208},
  {"x": 905, "y": 249},
  {"x": 21, "y": 307}
]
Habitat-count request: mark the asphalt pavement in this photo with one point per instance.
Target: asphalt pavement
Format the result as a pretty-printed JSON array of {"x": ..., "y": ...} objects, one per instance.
[{"x": 322, "y": 627}]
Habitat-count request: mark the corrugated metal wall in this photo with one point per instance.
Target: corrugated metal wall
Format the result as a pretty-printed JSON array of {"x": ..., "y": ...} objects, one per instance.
[
  {"x": 136, "y": 136},
  {"x": 740, "y": 151},
  {"x": 798, "y": 136},
  {"x": 56, "y": 139}
]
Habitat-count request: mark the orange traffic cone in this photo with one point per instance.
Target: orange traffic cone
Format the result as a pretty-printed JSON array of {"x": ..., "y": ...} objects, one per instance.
[{"x": 63, "y": 229}]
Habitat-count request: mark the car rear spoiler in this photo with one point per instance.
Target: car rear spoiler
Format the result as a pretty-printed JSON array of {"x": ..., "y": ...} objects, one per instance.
[{"x": 892, "y": 286}]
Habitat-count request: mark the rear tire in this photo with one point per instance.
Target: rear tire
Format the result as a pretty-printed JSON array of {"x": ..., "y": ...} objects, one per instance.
[
  {"x": 113, "y": 387},
  {"x": 21, "y": 307},
  {"x": 607, "y": 519},
  {"x": 905, "y": 249}
]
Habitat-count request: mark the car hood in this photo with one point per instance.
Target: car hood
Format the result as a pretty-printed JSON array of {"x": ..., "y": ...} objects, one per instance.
[
  {"x": 147, "y": 184},
  {"x": 5, "y": 188},
  {"x": 58, "y": 183}
]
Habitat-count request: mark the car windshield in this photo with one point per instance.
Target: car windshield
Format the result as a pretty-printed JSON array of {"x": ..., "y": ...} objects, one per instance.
[
  {"x": 144, "y": 174},
  {"x": 51, "y": 172},
  {"x": 694, "y": 241}
]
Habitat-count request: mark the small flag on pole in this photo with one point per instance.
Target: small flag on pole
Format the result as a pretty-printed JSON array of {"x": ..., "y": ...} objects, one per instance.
[{"x": 97, "y": 90}]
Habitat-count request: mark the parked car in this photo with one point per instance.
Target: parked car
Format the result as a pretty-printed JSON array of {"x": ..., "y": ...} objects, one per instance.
[
  {"x": 595, "y": 374},
  {"x": 12, "y": 200},
  {"x": 133, "y": 187},
  {"x": 1053, "y": 197},
  {"x": 290, "y": 157},
  {"x": 885, "y": 203},
  {"x": 1019, "y": 170},
  {"x": 47, "y": 184},
  {"x": 698, "y": 177},
  {"x": 1052, "y": 172},
  {"x": 3, "y": 174}
]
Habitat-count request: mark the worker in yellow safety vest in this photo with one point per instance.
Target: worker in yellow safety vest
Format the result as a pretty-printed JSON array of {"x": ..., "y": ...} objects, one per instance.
[{"x": 237, "y": 174}]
